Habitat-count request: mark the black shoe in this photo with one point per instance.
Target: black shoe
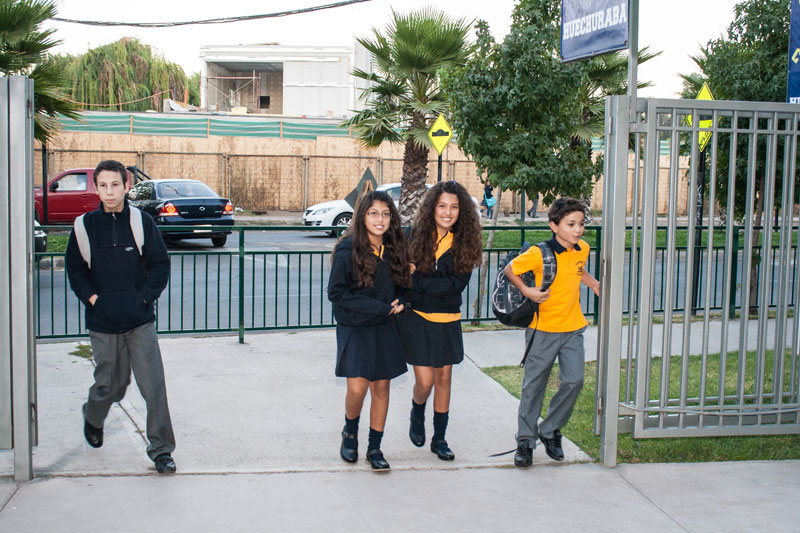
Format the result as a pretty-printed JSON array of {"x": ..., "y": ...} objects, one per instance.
[
  {"x": 165, "y": 464},
  {"x": 442, "y": 450},
  {"x": 349, "y": 449},
  {"x": 376, "y": 461},
  {"x": 524, "y": 455},
  {"x": 553, "y": 446},
  {"x": 94, "y": 436},
  {"x": 416, "y": 431}
]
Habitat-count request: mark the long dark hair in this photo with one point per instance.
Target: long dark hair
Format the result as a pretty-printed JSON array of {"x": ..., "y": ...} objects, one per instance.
[
  {"x": 467, "y": 240},
  {"x": 395, "y": 253}
]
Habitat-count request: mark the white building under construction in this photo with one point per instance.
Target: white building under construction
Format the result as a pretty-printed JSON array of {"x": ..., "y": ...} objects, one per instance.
[{"x": 271, "y": 79}]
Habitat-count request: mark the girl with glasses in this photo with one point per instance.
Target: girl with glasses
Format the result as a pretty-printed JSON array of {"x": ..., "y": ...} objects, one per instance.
[
  {"x": 445, "y": 245},
  {"x": 369, "y": 269}
]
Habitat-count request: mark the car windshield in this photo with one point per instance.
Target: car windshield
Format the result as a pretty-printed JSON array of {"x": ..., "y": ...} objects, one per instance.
[
  {"x": 394, "y": 193},
  {"x": 184, "y": 189}
]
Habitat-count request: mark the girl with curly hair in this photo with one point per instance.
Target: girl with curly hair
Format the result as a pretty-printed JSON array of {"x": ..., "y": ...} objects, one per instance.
[
  {"x": 445, "y": 246},
  {"x": 369, "y": 267}
]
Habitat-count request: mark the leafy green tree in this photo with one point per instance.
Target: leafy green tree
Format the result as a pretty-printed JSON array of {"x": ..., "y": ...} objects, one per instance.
[
  {"x": 517, "y": 108},
  {"x": 23, "y": 51},
  {"x": 126, "y": 75},
  {"x": 749, "y": 63},
  {"x": 403, "y": 95}
]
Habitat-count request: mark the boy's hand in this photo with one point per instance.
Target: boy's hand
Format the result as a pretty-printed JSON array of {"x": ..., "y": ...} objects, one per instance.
[
  {"x": 591, "y": 282},
  {"x": 537, "y": 295},
  {"x": 92, "y": 299}
]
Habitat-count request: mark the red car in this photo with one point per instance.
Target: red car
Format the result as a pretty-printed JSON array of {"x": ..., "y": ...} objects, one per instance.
[{"x": 69, "y": 195}]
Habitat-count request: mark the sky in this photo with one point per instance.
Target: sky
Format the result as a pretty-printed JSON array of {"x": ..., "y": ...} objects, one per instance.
[{"x": 675, "y": 27}]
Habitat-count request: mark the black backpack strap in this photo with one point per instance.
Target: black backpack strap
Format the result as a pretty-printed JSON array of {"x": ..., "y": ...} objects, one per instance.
[
  {"x": 549, "y": 265},
  {"x": 503, "y": 453},
  {"x": 529, "y": 343}
]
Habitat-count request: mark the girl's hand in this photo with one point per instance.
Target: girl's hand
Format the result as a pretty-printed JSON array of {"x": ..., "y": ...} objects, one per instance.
[
  {"x": 413, "y": 267},
  {"x": 397, "y": 307}
]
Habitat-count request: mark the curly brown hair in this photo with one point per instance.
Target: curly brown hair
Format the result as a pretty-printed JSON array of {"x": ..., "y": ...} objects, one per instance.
[
  {"x": 467, "y": 241},
  {"x": 395, "y": 253}
]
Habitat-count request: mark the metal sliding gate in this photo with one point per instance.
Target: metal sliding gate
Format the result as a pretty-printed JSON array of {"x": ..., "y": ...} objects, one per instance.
[{"x": 698, "y": 371}]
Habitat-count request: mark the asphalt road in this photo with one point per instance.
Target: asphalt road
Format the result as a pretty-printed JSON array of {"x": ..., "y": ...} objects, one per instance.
[{"x": 262, "y": 240}]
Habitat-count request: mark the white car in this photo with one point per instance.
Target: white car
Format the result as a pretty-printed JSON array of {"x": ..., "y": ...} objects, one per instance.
[{"x": 339, "y": 212}]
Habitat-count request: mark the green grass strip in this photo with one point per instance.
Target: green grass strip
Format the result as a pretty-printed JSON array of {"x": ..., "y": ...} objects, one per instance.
[{"x": 666, "y": 450}]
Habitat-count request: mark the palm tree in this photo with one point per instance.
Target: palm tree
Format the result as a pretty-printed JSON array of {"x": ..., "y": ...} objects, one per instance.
[
  {"x": 605, "y": 75},
  {"x": 403, "y": 94},
  {"x": 23, "y": 51}
]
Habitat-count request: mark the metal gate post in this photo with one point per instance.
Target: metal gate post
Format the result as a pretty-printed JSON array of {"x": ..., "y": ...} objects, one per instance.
[
  {"x": 6, "y": 427},
  {"x": 16, "y": 296},
  {"x": 612, "y": 263}
]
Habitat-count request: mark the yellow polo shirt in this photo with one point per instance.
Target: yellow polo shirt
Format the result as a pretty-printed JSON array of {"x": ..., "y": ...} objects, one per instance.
[{"x": 562, "y": 311}]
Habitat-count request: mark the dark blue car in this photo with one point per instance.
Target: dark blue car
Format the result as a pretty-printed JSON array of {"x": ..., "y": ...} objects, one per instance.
[{"x": 182, "y": 202}]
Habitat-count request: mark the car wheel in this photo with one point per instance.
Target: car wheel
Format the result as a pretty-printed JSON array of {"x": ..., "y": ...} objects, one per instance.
[
  {"x": 342, "y": 219},
  {"x": 219, "y": 242}
]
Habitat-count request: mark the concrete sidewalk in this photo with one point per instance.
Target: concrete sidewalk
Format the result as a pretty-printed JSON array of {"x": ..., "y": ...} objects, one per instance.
[{"x": 257, "y": 429}]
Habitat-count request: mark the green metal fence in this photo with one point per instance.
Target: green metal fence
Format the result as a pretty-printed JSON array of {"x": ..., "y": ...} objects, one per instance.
[{"x": 251, "y": 289}]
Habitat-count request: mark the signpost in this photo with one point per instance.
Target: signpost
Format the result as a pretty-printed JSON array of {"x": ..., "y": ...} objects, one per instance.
[
  {"x": 702, "y": 143},
  {"x": 440, "y": 135}
]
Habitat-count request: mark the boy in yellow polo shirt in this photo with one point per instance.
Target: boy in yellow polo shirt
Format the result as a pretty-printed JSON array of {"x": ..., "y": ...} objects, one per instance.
[{"x": 558, "y": 329}]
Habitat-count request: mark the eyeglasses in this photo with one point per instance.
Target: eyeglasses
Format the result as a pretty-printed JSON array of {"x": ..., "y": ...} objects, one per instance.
[{"x": 378, "y": 214}]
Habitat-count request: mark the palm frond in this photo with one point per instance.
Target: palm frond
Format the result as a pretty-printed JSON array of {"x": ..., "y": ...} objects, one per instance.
[{"x": 403, "y": 88}]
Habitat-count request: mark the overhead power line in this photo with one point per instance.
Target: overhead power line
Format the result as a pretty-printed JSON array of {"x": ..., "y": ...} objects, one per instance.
[{"x": 221, "y": 20}]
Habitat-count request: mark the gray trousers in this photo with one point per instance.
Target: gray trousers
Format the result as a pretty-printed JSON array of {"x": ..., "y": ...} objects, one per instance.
[
  {"x": 546, "y": 346},
  {"x": 115, "y": 356}
]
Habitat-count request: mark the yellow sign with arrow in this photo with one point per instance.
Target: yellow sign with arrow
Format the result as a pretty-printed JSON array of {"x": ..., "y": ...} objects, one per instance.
[
  {"x": 440, "y": 133},
  {"x": 703, "y": 136}
]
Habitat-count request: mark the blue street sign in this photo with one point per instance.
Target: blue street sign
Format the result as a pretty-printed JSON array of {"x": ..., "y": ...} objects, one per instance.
[
  {"x": 793, "y": 84},
  {"x": 592, "y": 27}
]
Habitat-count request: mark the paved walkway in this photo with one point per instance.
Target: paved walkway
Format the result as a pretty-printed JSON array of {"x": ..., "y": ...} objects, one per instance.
[{"x": 258, "y": 428}]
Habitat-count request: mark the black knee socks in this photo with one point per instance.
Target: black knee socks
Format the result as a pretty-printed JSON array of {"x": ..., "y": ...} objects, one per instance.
[
  {"x": 375, "y": 437},
  {"x": 351, "y": 426},
  {"x": 418, "y": 410},
  {"x": 439, "y": 425}
]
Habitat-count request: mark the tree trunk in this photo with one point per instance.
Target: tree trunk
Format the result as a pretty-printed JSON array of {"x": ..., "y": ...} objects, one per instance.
[
  {"x": 415, "y": 174},
  {"x": 483, "y": 279}
]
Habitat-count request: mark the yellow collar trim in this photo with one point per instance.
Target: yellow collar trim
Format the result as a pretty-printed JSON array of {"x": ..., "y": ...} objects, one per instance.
[{"x": 444, "y": 244}]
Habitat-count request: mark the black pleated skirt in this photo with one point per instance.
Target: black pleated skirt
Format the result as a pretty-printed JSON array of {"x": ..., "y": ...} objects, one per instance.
[
  {"x": 371, "y": 352},
  {"x": 428, "y": 343}
]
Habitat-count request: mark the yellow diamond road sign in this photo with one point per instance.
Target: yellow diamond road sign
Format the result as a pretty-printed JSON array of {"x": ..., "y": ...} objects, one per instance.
[
  {"x": 703, "y": 136},
  {"x": 440, "y": 133}
]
